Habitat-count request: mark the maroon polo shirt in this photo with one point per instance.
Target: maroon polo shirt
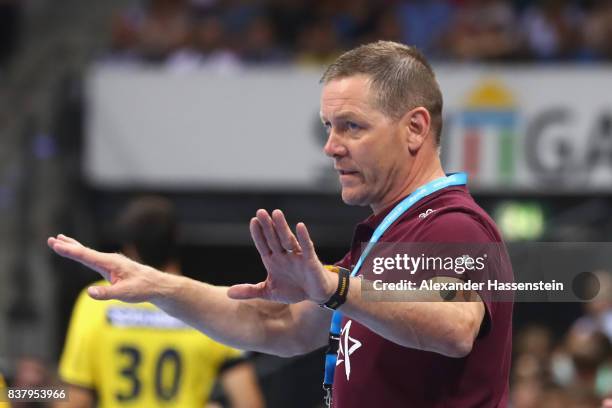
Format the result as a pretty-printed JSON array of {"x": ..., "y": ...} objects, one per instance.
[{"x": 385, "y": 374}]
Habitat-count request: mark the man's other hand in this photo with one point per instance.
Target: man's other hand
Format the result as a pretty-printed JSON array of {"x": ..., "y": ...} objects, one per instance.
[{"x": 294, "y": 270}]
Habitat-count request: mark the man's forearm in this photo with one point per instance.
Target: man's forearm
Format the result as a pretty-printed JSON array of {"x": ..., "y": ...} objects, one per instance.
[
  {"x": 256, "y": 325},
  {"x": 448, "y": 328},
  {"x": 208, "y": 309}
]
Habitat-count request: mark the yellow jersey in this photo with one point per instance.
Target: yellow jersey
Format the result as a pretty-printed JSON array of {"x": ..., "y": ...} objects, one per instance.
[
  {"x": 2, "y": 392},
  {"x": 136, "y": 355}
]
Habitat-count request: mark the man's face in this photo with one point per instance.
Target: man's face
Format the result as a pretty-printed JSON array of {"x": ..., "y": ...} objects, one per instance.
[{"x": 368, "y": 147}]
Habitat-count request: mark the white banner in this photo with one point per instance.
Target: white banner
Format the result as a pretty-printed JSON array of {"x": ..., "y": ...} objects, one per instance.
[{"x": 534, "y": 129}]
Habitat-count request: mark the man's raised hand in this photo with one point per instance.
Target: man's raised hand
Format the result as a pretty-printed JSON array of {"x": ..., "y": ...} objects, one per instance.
[
  {"x": 294, "y": 270},
  {"x": 130, "y": 281}
]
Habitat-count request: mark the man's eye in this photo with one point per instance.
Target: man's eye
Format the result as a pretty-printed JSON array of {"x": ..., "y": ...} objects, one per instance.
[
  {"x": 352, "y": 126},
  {"x": 327, "y": 126}
]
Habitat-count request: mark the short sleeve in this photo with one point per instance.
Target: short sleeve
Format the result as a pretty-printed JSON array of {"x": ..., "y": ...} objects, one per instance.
[
  {"x": 345, "y": 262},
  {"x": 76, "y": 364},
  {"x": 458, "y": 227},
  {"x": 231, "y": 357},
  {"x": 232, "y": 353}
]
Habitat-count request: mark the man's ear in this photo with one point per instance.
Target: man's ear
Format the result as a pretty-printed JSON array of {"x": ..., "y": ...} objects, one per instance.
[{"x": 416, "y": 124}]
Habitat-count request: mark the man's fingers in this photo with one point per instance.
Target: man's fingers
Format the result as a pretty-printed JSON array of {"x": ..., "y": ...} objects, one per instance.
[
  {"x": 86, "y": 256},
  {"x": 98, "y": 261},
  {"x": 269, "y": 232},
  {"x": 304, "y": 240},
  {"x": 285, "y": 235},
  {"x": 258, "y": 238},
  {"x": 66, "y": 238},
  {"x": 247, "y": 291}
]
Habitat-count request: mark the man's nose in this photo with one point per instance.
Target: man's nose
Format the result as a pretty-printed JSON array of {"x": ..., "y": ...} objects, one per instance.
[{"x": 334, "y": 147}]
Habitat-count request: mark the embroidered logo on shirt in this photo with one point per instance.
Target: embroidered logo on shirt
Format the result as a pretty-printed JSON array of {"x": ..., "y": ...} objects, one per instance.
[
  {"x": 426, "y": 213},
  {"x": 347, "y": 346}
]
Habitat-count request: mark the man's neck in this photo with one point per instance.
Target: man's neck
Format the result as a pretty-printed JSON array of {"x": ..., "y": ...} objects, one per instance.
[{"x": 419, "y": 179}]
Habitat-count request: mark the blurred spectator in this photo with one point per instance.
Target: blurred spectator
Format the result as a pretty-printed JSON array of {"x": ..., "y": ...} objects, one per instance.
[
  {"x": 124, "y": 35},
  {"x": 152, "y": 34},
  {"x": 318, "y": 45},
  {"x": 484, "y": 30},
  {"x": 164, "y": 30},
  {"x": 589, "y": 352},
  {"x": 211, "y": 41},
  {"x": 597, "y": 33},
  {"x": 312, "y": 32},
  {"x": 577, "y": 374},
  {"x": 598, "y": 311},
  {"x": 532, "y": 349},
  {"x": 203, "y": 7},
  {"x": 583, "y": 366},
  {"x": 426, "y": 24},
  {"x": 551, "y": 29},
  {"x": 526, "y": 394},
  {"x": 535, "y": 340},
  {"x": 388, "y": 28},
  {"x": 260, "y": 44},
  {"x": 289, "y": 18},
  {"x": 209, "y": 47},
  {"x": 239, "y": 14},
  {"x": 31, "y": 372},
  {"x": 556, "y": 397},
  {"x": 355, "y": 21}
]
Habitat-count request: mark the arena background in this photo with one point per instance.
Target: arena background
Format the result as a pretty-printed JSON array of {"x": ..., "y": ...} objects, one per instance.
[{"x": 214, "y": 104}]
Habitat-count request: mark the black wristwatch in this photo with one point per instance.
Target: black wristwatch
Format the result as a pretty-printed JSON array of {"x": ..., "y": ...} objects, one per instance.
[{"x": 344, "y": 280}]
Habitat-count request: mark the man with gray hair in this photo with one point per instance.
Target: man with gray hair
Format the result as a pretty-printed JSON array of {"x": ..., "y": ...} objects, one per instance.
[{"x": 382, "y": 109}]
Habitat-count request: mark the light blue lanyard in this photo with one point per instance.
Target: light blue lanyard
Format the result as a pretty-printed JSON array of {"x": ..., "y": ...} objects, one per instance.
[{"x": 455, "y": 179}]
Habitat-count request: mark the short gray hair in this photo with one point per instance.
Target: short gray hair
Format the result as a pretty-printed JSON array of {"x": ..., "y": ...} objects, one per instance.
[{"x": 399, "y": 74}]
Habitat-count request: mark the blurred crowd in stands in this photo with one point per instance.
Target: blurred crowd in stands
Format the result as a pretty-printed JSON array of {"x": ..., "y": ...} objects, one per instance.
[
  {"x": 185, "y": 33},
  {"x": 574, "y": 370},
  {"x": 188, "y": 33}
]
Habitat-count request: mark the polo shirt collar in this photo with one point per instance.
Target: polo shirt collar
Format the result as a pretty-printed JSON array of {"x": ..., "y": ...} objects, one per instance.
[{"x": 374, "y": 219}]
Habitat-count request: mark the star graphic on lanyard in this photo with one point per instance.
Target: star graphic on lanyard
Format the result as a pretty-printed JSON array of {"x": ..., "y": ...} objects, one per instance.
[{"x": 347, "y": 346}]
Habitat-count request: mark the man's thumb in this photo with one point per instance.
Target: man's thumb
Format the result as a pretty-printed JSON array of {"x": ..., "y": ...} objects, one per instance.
[
  {"x": 246, "y": 291},
  {"x": 100, "y": 292}
]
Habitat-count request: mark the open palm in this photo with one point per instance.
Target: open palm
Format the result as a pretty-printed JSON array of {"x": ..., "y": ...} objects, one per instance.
[{"x": 294, "y": 270}]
